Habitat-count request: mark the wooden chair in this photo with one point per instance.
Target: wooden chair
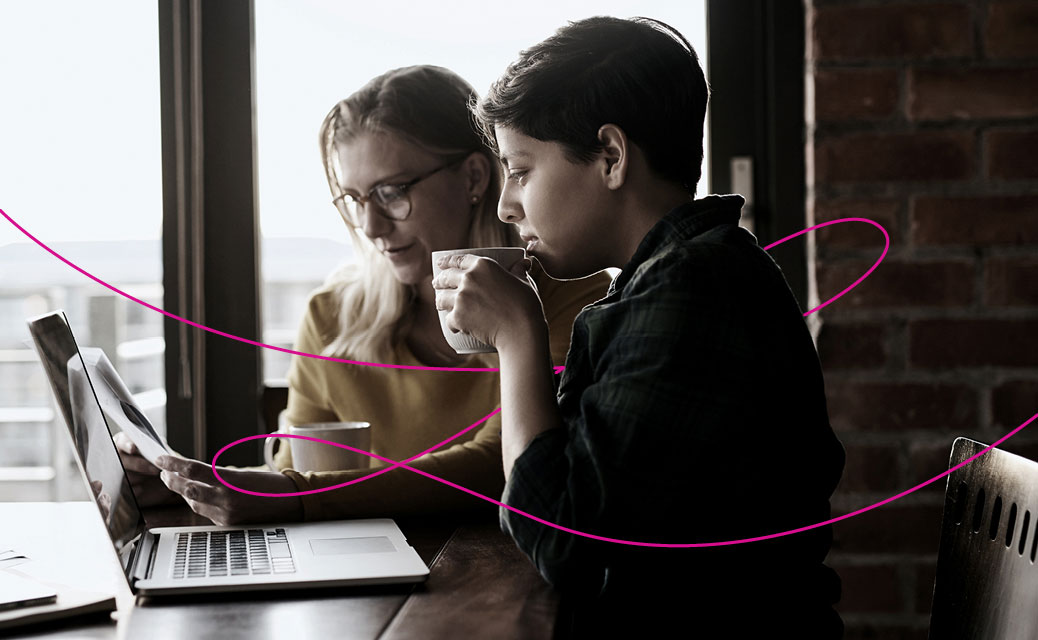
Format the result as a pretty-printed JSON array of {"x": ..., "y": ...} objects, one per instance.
[{"x": 987, "y": 582}]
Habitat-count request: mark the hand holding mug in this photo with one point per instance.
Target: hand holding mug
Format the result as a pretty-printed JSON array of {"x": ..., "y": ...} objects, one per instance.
[{"x": 485, "y": 297}]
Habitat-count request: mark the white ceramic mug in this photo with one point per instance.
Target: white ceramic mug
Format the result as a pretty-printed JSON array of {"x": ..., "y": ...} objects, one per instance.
[
  {"x": 463, "y": 343},
  {"x": 308, "y": 455}
]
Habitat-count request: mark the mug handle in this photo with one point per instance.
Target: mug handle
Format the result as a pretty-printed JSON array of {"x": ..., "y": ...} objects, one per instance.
[{"x": 268, "y": 451}]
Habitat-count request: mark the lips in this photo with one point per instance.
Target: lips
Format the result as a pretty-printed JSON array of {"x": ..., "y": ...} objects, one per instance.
[{"x": 396, "y": 250}]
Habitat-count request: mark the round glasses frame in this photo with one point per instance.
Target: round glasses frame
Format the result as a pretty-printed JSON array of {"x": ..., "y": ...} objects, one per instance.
[{"x": 392, "y": 201}]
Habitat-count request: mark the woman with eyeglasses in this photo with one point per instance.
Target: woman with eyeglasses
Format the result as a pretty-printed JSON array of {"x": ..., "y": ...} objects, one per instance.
[{"x": 409, "y": 175}]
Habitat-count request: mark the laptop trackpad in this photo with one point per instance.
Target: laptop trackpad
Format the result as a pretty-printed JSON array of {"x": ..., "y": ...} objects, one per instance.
[{"x": 342, "y": 546}]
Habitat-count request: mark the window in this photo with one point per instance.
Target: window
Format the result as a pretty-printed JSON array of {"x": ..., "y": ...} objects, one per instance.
[
  {"x": 84, "y": 171},
  {"x": 81, "y": 171},
  {"x": 311, "y": 54}
]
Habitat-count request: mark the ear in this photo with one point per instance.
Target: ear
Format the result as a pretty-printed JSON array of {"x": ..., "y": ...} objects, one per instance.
[
  {"x": 616, "y": 153},
  {"x": 476, "y": 169}
]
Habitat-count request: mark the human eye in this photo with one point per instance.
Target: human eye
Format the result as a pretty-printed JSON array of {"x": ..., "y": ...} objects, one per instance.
[
  {"x": 517, "y": 175},
  {"x": 388, "y": 193}
]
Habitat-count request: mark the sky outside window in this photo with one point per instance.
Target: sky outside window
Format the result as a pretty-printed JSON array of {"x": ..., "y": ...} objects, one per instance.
[{"x": 79, "y": 120}]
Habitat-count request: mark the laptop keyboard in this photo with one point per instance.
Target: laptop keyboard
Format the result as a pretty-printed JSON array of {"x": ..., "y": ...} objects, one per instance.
[{"x": 202, "y": 554}]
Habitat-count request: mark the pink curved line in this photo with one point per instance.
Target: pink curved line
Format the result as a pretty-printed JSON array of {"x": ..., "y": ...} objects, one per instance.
[
  {"x": 228, "y": 335},
  {"x": 662, "y": 544},
  {"x": 886, "y": 247},
  {"x": 633, "y": 543},
  {"x": 404, "y": 465}
]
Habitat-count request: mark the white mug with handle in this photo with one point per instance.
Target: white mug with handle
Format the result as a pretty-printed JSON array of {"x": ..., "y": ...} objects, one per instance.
[{"x": 308, "y": 455}]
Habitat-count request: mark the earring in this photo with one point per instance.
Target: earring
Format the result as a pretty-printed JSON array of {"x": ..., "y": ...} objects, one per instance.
[{"x": 475, "y": 199}]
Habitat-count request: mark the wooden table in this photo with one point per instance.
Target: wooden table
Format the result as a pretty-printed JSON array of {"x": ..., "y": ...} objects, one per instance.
[{"x": 479, "y": 586}]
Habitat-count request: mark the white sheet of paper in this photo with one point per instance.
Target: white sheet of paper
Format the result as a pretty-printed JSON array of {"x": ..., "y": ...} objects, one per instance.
[{"x": 119, "y": 406}]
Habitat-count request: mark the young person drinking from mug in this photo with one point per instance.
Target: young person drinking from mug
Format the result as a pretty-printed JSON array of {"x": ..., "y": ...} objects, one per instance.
[{"x": 692, "y": 407}]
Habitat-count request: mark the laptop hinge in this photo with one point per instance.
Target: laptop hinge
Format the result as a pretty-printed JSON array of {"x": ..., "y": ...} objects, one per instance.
[{"x": 144, "y": 557}]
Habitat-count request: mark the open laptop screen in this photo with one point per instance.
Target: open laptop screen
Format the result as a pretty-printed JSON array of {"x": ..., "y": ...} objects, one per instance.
[{"x": 67, "y": 369}]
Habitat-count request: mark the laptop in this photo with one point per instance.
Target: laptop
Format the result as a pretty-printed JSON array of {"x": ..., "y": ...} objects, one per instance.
[{"x": 201, "y": 559}]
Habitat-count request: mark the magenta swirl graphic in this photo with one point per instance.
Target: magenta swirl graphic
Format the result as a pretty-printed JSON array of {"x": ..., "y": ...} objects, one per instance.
[{"x": 393, "y": 464}]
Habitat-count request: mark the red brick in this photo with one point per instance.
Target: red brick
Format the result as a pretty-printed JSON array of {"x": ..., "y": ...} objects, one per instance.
[
  {"x": 852, "y": 346},
  {"x": 925, "y": 577},
  {"x": 1011, "y": 153},
  {"x": 870, "y": 589},
  {"x": 897, "y": 284},
  {"x": 978, "y": 221},
  {"x": 855, "y": 94},
  {"x": 870, "y": 157},
  {"x": 1012, "y": 30},
  {"x": 941, "y": 94},
  {"x": 857, "y": 235},
  {"x": 1011, "y": 282},
  {"x": 892, "y": 528},
  {"x": 891, "y": 406},
  {"x": 1013, "y": 402},
  {"x": 870, "y": 468},
  {"x": 973, "y": 343},
  {"x": 893, "y": 31}
]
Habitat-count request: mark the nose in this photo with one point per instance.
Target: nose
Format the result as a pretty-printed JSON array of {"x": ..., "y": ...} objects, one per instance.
[
  {"x": 509, "y": 208},
  {"x": 373, "y": 223}
]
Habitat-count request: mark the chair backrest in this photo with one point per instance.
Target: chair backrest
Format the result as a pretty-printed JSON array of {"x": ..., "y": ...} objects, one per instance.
[{"x": 987, "y": 581}]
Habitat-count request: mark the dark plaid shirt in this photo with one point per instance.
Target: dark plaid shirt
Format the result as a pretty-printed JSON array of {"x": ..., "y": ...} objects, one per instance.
[{"x": 694, "y": 411}]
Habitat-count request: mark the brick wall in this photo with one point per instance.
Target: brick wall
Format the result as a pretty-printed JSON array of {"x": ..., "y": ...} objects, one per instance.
[{"x": 925, "y": 119}]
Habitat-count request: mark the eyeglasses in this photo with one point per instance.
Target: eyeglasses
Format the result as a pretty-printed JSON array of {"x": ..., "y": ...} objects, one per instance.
[{"x": 391, "y": 200}]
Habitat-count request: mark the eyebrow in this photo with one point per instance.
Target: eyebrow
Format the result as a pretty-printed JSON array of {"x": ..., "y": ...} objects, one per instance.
[
  {"x": 503, "y": 159},
  {"x": 390, "y": 179}
]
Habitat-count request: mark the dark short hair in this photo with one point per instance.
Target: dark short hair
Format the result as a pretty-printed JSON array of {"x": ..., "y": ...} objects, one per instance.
[{"x": 639, "y": 74}]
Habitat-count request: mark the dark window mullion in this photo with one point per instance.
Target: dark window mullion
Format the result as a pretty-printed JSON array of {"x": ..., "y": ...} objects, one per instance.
[{"x": 210, "y": 226}]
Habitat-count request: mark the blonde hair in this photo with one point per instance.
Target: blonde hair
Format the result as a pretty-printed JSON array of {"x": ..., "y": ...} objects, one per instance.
[{"x": 426, "y": 106}]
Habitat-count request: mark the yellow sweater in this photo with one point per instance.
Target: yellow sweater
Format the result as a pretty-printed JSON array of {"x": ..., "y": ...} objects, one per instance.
[{"x": 410, "y": 411}]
